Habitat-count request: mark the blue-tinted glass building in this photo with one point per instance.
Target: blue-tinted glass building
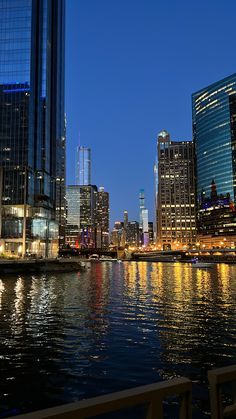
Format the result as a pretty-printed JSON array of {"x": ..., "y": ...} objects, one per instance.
[
  {"x": 83, "y": 166},
  {"x": 214, "y": 133},
  {"x": 32, "y": 126}
]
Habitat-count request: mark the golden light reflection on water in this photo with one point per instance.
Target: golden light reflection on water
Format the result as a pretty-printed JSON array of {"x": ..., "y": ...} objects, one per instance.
[
  {"x": 99, "y": 324},
  {"x": 142, "y": 272},
  {"x": 2, "y": 288},
  {"x": 130, "y": 275},
  {"x": 19, "y": 306},
  {"x": 225, "y": 280}
]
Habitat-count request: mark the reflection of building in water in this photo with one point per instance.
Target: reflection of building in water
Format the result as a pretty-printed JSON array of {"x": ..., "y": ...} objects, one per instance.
[{"x": 214, "y": 132}]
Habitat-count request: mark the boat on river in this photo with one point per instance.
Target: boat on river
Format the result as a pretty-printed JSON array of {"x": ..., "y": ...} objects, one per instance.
[
  {"x": 198, "y": 264},
  {"x": 108, "y": 259}
]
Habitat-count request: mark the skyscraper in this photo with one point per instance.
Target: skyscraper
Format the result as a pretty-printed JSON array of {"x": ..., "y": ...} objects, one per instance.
[
  {"x": 83, "y": 166},
  {"x": 176, "y": 227},
  {"x": 126, "y": 219},
  {"x": 145, "y": 229},
  {"x": 81, "y": 215},
  {"x": 132, "y": 235},
  {"x": 143, "y": 220},
  {"x": 141, "y": 207},
  {"x": 214, "y": 133},
  {"x": 32, "y": 126},
  {"x": 102, "y": 218}
]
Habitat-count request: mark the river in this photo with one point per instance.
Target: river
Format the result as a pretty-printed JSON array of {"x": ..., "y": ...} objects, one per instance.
[{"x": 65, "y": 337}]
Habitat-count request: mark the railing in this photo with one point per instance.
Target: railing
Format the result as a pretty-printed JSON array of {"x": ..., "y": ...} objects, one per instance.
[
  {"x": 151, "y": 395},
  {"x": 217, "y": 378}
]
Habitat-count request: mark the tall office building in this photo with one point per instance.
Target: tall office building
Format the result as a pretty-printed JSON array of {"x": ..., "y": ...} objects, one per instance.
[
  {"x": 145, "y": 229},
  {"x": 83, "y": 166},
  {"x": 143, "y": 220},
  {"x": 214, "y": 133},
  {"x": 32, "y": 126},
  {"x": 176, "y": 227},
  {"x": 102, "y": 218},
  {"x": 132, "y": 236},
  {"x": 73, "y": 215},
  {"x": 81, "y": 213},
  {"x": 141, "y": 207},
  {"x": 117, "y": 234},
  {"x": 126, "y": 219},
  {"x": 150, "y": 232},
  {"x": 155, "y": 198}
]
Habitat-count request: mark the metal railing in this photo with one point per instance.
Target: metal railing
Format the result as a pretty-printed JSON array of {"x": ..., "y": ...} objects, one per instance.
[
  {"x": 151, "y": 395},
  {"x": 217, "y": 378}
]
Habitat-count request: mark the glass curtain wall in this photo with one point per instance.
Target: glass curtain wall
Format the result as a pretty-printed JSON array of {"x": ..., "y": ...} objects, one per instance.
[{"x": 32, "y": 126}]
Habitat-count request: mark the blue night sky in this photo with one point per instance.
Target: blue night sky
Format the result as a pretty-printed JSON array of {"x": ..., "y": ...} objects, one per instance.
[{"x": 131, "y": 66}]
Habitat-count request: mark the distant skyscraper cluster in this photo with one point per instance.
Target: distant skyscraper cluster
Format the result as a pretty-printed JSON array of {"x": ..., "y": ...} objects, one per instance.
[
  {"x": 87, "y": 208},
  {"x": 134, "y": 233}
]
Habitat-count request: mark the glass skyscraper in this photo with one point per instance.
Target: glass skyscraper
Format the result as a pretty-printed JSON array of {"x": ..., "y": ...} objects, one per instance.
[
  {"x": 214, "y": 133},
  {"x": 32, "y": 126},
  {"x": 83, "y": 166}
]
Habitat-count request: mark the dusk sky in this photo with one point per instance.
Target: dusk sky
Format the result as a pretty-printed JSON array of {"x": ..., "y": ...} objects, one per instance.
[{"x": 131, "y": 67}]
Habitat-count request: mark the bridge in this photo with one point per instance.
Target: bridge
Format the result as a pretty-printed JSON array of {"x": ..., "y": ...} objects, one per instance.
[{"x": 70, "y": 252}]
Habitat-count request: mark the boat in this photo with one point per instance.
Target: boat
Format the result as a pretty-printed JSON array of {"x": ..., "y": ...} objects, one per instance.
[
  {"x": 108, "y": 259},
  {"x": 94, "y": 257},
  {"x": 196, "y": 264}
]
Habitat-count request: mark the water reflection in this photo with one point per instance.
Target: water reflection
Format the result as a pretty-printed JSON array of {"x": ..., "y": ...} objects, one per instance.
[
  {"x": 111, "y": 327},
  {"x": 2, "y": 288}
]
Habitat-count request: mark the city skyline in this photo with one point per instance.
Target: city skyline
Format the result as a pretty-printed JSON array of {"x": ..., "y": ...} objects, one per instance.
[{"x": 150, "y": 70}]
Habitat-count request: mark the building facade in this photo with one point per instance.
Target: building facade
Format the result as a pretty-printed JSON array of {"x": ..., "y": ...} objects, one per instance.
[
  {"x": 145, "y": 229},
  {"x": 132, "y": 235},
  {"x": 81, "y": 213},
  {"x": 102, "y": 218},
  {"x": 118, "y": 235},
  {"x": 150, "y": 232},
  {"x": 143, "y": 220},
  {"x": 32, "y": 126},
  {"x": 214, "y": 134},
  {"x": 83, "y": 166},
  {"x": 176, "y": 228}
]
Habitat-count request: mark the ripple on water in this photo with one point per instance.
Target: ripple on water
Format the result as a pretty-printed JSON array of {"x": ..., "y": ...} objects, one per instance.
[{"x": 67, "y": 337}]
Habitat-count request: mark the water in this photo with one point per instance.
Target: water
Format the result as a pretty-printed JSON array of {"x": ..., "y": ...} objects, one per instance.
[{"x": 66, "y": 337}]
